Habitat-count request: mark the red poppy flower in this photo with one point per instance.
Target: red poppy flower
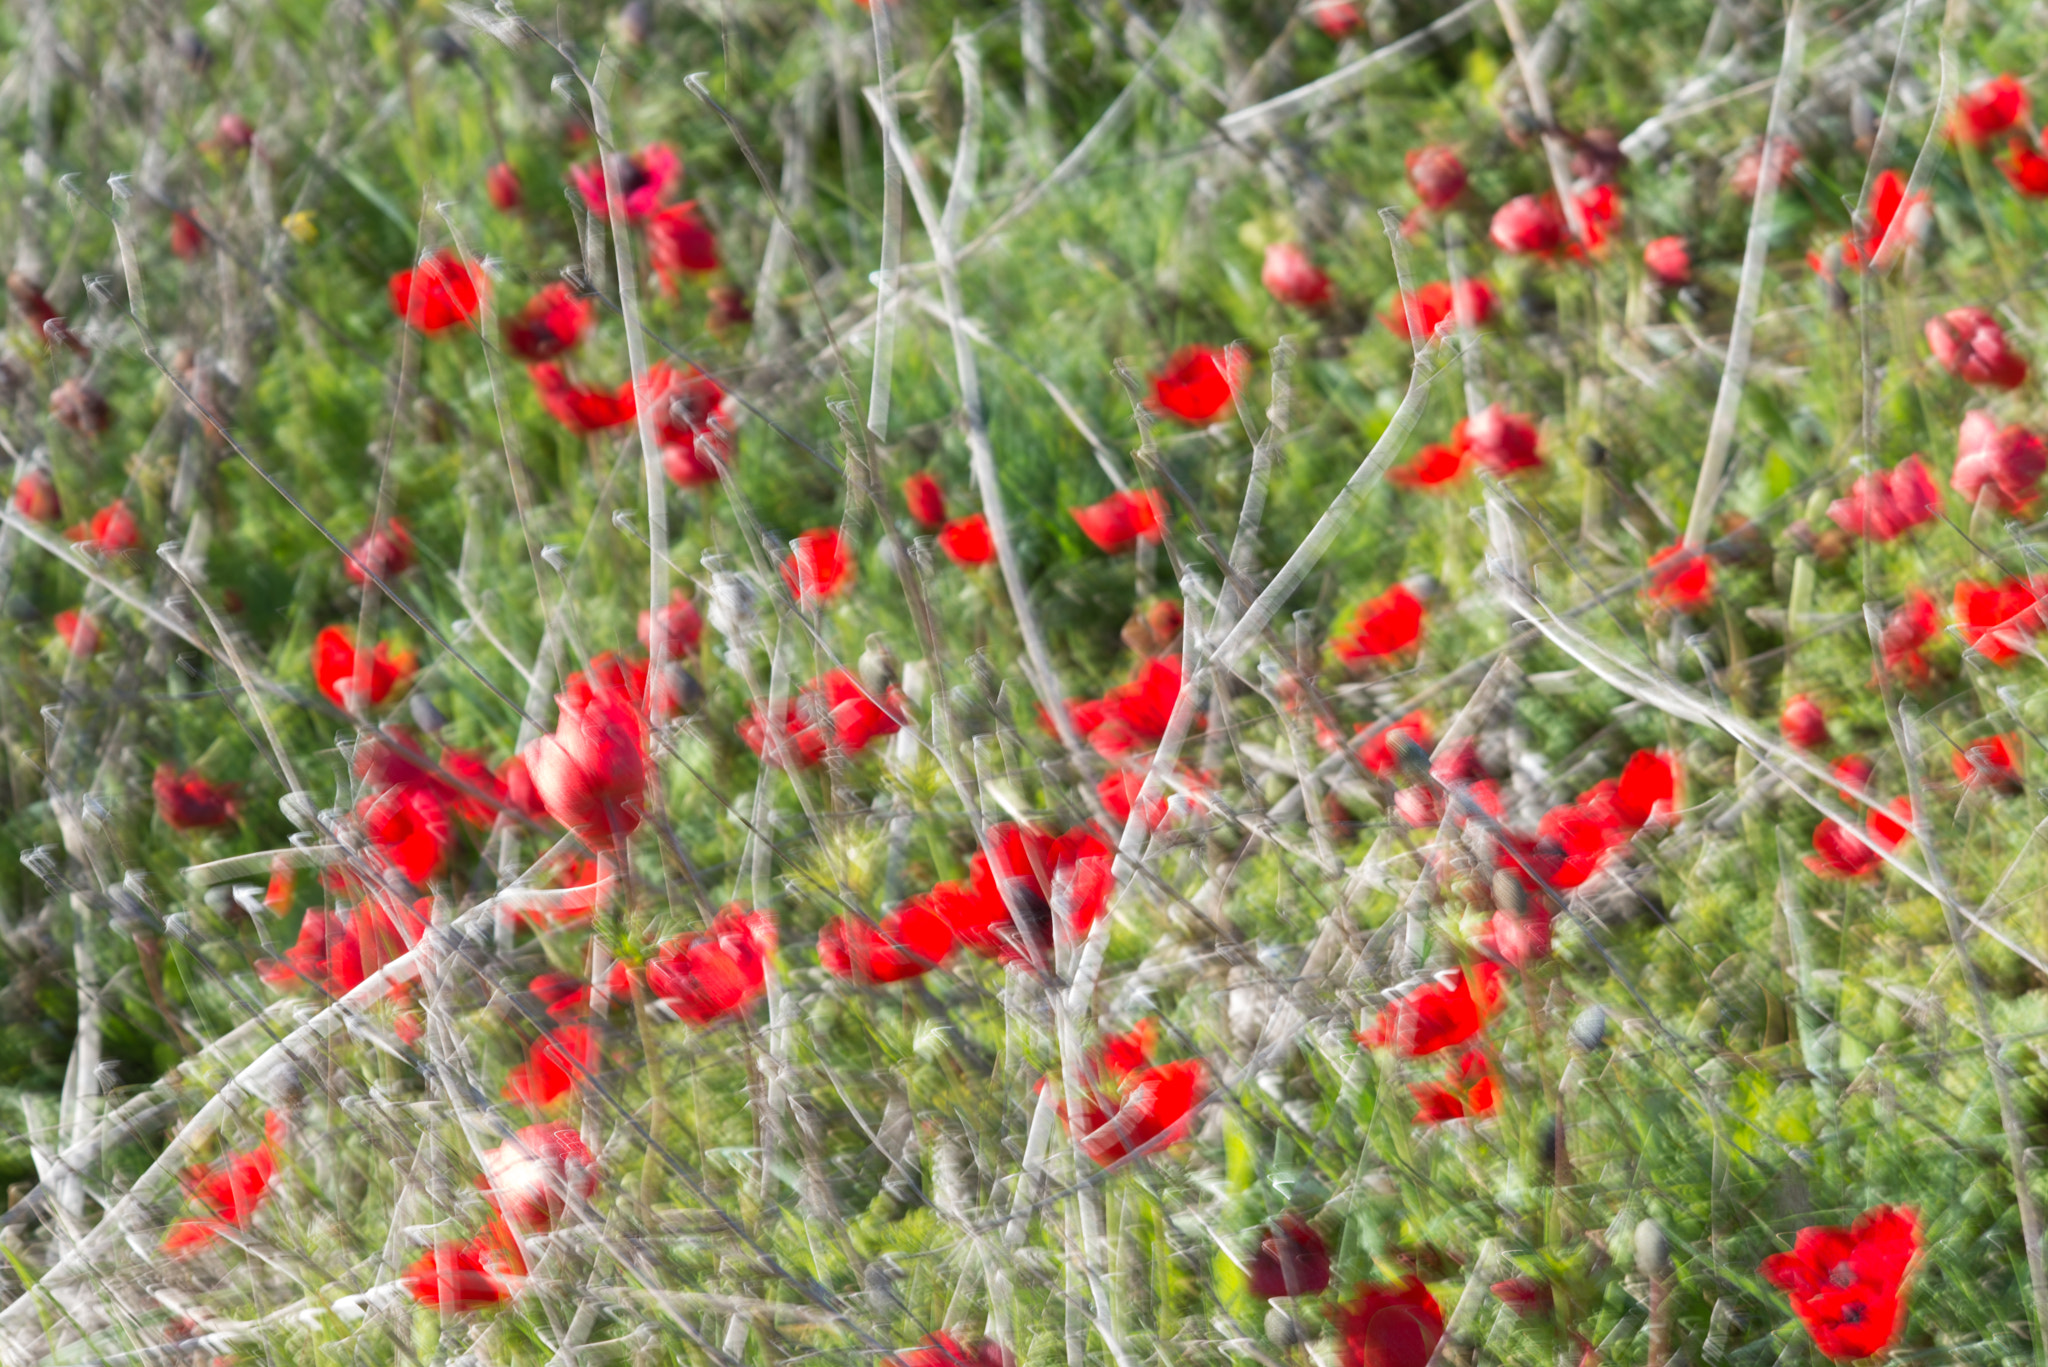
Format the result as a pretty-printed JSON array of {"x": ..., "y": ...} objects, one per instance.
[
  {"x": 553, "y": 321},
  {"x": 681, "y": 623},
  {"x": 1292, "y": 1260},
  {"x": 1128, "y": 1103},
  {"x": 644, "y": 180},
  {"x": 1198, "y": 384},
  {"x": 442, "y": 292},
  {"x": 1433, "y": 469},
  {"x": 1647, "y": 789},
  {"x": 1848, "y": 1286},
  {"x": 2008, "y": 462},
  {"x": 1438, "y": 1015},
  {"x": 1518, "y": 940},
  {"x": 1990, "y": 763},
  {"x": 1599, "y": 208},
  {"x": 409, "y": 826},
  {"x": 1134, "y": 715},
  {"x": 1681, "y": 579},
  {"x": 1840, "y": 852},
  {"x": 1669, "y": 261},
  {"x": 1378, "y": 753},
  {"x": 834, "y": 707},
  {"x": 1291, "y": 278},
  {"x": 1970, "y": 345},
  {"x": 909, "y": 942},
  {"x": 112, "y": 530},
  {"x": 1338, "y": 19},
  {"x": 926, "y": 500},
  {"x": 1501, "y": 441},
  {"x": 35, "y": 497},
  {"x": 679, "y": 243},
  {"x": 1119, "y": 790},
  {"x": 1525, "y": 1296},
  {"x": 529, "y": 1180},
  {"x": 1997, "y": 619},
  {"x": 458, "y": 1277},
  {"x": 727, "y": 310},
  {"x": 1851, "y": 776},
  {"x": 1436, "y": 303},
  {"x": 703, "y": 978},
  {"x": 80, "y": 633},
  {"x": 1122, "y": 519},
  {"x": 1982, "y": 114},
  {"x": 564, "y": 997},
  {"x": 1529, "y": 226},
  {"x": 1906, "y": 633},
  {"x": 334, "y": 667},
  {"x": 819, "y": 568},
  {"x": 230, "y": 1191},
  {"x": 501, "y": 183},
  {"x": 1467, "y": 1092},
  {"x": 1887, "y": 203},
  {"x": 1389, "y": 1326},
  {"x": 967, "y": 541},
  {"x": 368, "y": 938},
  {"x": 1885, "y": 504},
  {"x": 188, "y": 239},
  {"x": 80, "y": 407},
  {"x": 581, "y": 408},
  {"x": 1572, "y": 842},
  {"x": 306, "y": 961},
  {"x": 591, "y": 771},
  {"x": 1388, "y": 625},
  {"x": 553, "y": 1064},
  {"x": 1436, "y": 175},
  {"x": 384, "y": 551},
  {"x": 1802, "y": 723},
  {"x": 189, "y": 802},
  {"x": 2025, "y": 169},
  {"x": 1005, "y": 910}
]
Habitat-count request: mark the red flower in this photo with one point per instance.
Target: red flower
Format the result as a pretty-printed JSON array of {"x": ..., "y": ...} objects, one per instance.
[
  {"x": 458, "y": 1277},
  {"x": 112, "y": 530},
  {"x": 1906, "y": 633},
  {"x": 1839, "y": 852},
  {"x": 1005, "y": 910},
  {"x": 1388, "y": 625},
  {"x": 1997, "y": 619},
  {"x": 230, "y": 1191},
  {"x": 80, "y": 407},
  {"x": 1885, "y": 504},
  {"x": 1848, "y": 1286},
  {"x": 1119, "y": 790},
  {"x": 820, "y": 567},
  {"x": 967, "y": 540},
  {"x": 909, "y": 942},
  {"x": 581, "y": 408},
  {"x": 1527, "y": 1297},
  {"x": 442, "y": 292},
  {"x": 1198, "y": 384},
  {"x": 689, "y": 408},
  {"x": 1439, "y": 1014},
  {"x": 529, "y": 1179},
  {"x": 236, "y": 132},
  {"x": 1599, "y": 207},
  {"x": 1647, "y": 789},
  {"x": 594, "y": 765},
  {"x": 1290, "y": 277},
  {"x": 2025, "y": 169},
  {"x": 644, "y": 180},
  {"x": 410, "y": 826},
  {"x": 553, "y": 321},
  {"x": 1501, "y": 441},
  {"x": 1517, "y": 940},
  {"x": 1293, "y": 1260},
  {"x": 1466, "y": 1093},
  {"x": 2008, "y": 462},
  {"x": 832, "y": 707},
  {"x": 1389, "y": 1326},
  {"x": 553, "y": 1064},
  {"x": 35, "y": 497},
  {"x": 564, "y": 997},
  {"x": 80, "y": 633},
  {"x": 727, "y": 309},
  {"x": 1377, "y": 753},
  {"x": 43, "y": 319},
  {"x": 384, "y": 551},
  {"x": 1338, "y": 19},
  {"x": 1970, "y": 345},
  {"x": 188, "y": 802},
  {"x": 1134, "y": 715},
  {"x": 1436, "y": 303},
  {"x": 334, "y": 667},
  {"x": 926, "y": 500},
  {"x": 703, "y": 978},
  {"x": 1987, "y": 111},
  {"x": 1572, "y": 843},
  {"x": 1128, "y": 1103},
  {"x": 1887, "y": 200},
  {"x": 1122, "y": 519},
  {"x": 1990, "y": 763},
  {"x": 1681, "y": 579},
  {"x": 1669, "y": 261},
  {"x": 1436, "y": 175},
  {"x": 1802, "y": 724},
  {"x": 188, "y": 239},
  {"x": 1434, "y": 468},
  {"x": 680, "y": 242},
  {"x": 1528, "y": 226},
  {"x": 681, "y": 623},
  {"x": 501, "y": 183}
]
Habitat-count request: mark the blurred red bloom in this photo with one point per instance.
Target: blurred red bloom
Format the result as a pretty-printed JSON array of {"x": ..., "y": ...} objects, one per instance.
[
  {"x": 1198, "y": 383},
  {"x": 1998, "y": 619},
  {"x": 1970, "y": 345},
  {"x": 1573, "y": 843},
  {"x": 334, "y": 667},
  {"x": 1982, "y": 114},
  {"x": 1990, "y": 763},
  {"x": 1466, "y": 1093},
  {"x": 1848, "y": 1286},
  {"x": 43, "y": 318},
  {"x": 1885, "y": 504},
  {"x": 1906, "y": 633},
  {"x": 2024, "y": 168},
  {"x": 1388, "y": 625},
  {"x": 591, "y": 772},
  {"x": 1005, "y": 909},
  {"x": 1529, "y": 226},
  {"x": 1290, "y": 277},
  {"x": 2005, "y": 462},
  {"x": 909, "y": 942},
  {"x": 564, "y": 997},
  {"x": 926, "y": 500},
  {"x": 111, "y": 530},
  {"x": 1681, "y": 579},
  {"x": 230, "y": 1191},
  {"x": 553, "y": 1064},
  {"x": 1888, "y": 203},
  {"x": 529, "y": 1180},
  {"x": 1122, "y": 519},
  {"x": 79, "y": 631},
  {"x": 1377, "y": 752},
  {"x": 459, "y": 1277},
  {"x": 679, "y": 243},
  {"x": 1433, "y": 469},
  {"x": 188, "y": 239},
  {"x": 35, "y": 497},
  {"x": 1525, "y": 1296},
  {"x": 1518, "y": 940},
  {"x": 1134, "y": 715},
  {"x": 1338, "y": 19},
  {"x": 1128, "y": 1103},
  {"x": 968, "y": 541},
  {"x": 553, "y": 321},
  {"x": 820, "y": 567},
  {"x": 681, "y": 622},
  {"x": 1438, "y": 1015},
  {"x": 1292, "y": 1260},
  {"x": 410, "y": 827},
  {"x": 80, "y": 407},
  {"x": 1802, "y": 724},
  {"x": 442, "y": 292},
  {"x": 644, "y": 179},
  {"x": 384, "y": 551},
  {"x": 1436, "y": 175},
  {"x": 834, "y": 707},
  {"x": 703, "y": 978},
  {"x": 581, "y": 408},
  {"x": 190, "y": 802},
  {"x": 1669, "y": 261},
  {"x": 691, "y": 413},
  {"x": 1119, "y": 790},
  {"x": 1840, "y": 852},
  {"x": 1599, "y": 208},
  {"x": 1503, "y": 442},
  {"x": 1647, "y": 789},
  {"x": 501, "y": 183},
  {"x": 1389, "y": 1326},
  {"x": 1438, "y": 302}
]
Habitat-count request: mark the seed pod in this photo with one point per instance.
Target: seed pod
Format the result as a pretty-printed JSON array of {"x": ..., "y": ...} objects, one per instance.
[
  {"x": 1653, "y": 1250},
  {"x": 1508, "y": 892},
  {"x": 1589, "y": 1028}
]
